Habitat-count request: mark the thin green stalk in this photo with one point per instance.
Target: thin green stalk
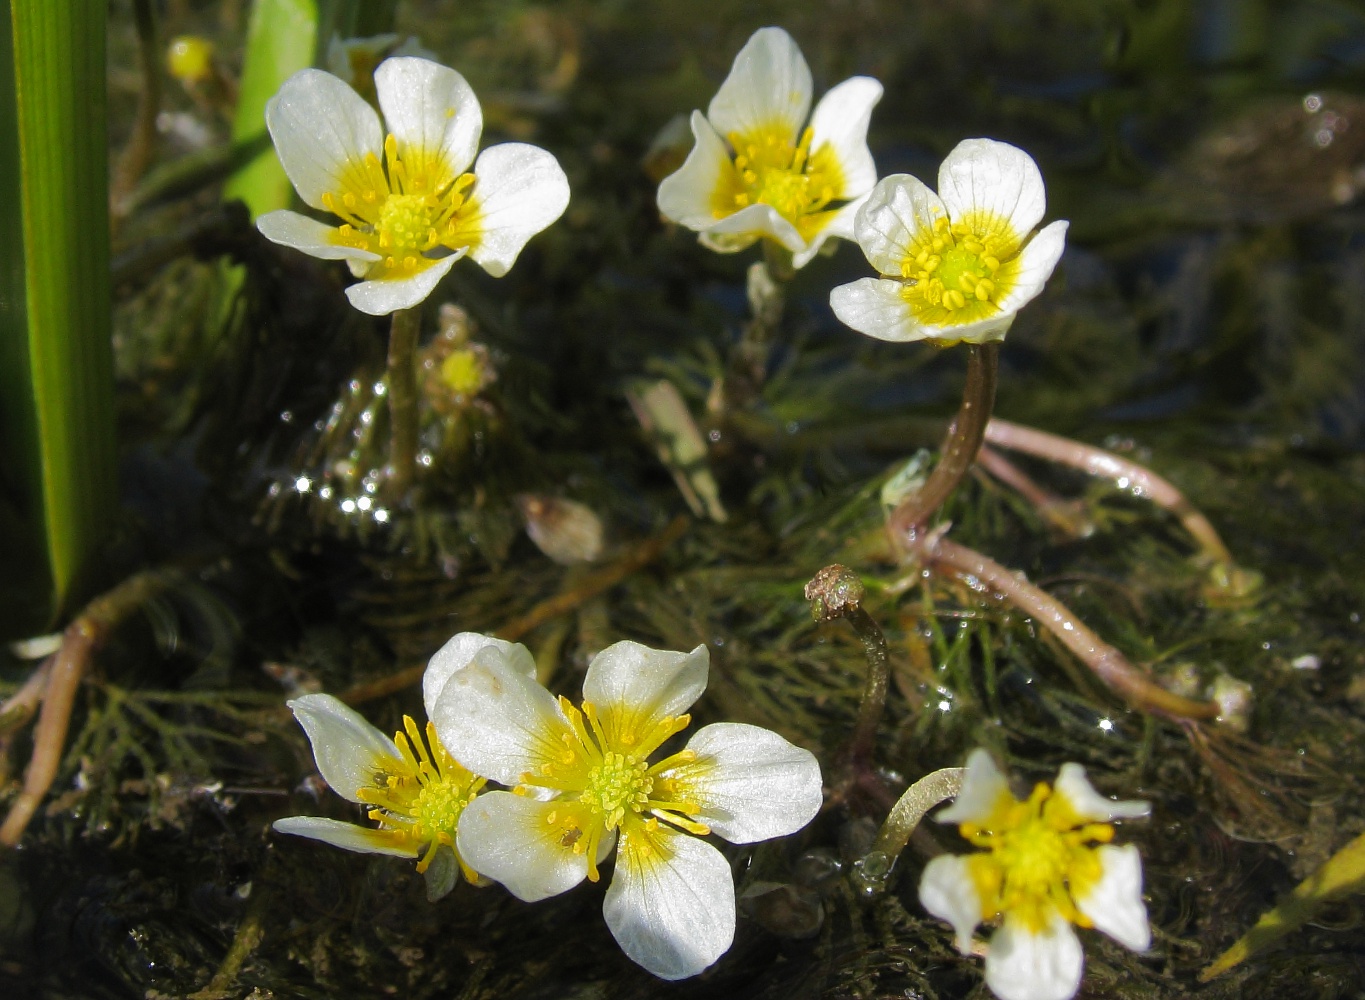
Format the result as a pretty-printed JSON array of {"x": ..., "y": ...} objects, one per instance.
[
  {"x": 403, "y": 333},
  {"x": 57, "y": 450}
]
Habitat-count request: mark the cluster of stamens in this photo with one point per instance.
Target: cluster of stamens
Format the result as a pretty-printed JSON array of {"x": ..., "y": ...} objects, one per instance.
[
  {"x": 1041, "y": 856},
  {"x": 772, "y": 170},
  {"x": 419, "y": 807},
  {"x": 399, "y": 213},
  {"x": 601, "y": 770},
  {"x": 953, "y": 266}
]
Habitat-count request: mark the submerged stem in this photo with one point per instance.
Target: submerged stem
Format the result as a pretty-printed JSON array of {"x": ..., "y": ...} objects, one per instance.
[
  {"x": 960, "y": 446},
  {"x": 403, "y": 334},
  {"x": 1103, "y": 660},
  {"x": 1125, "y": 474}
]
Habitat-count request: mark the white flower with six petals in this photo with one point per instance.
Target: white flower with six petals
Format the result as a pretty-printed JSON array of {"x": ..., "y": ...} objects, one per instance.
[
  {"x": 584, "y": 783},
  {"x": 759, "y": 171},
  {"x": 1042, "y": 873},
  {"x": 410, "y": 205},
  {"x": 957, "y": 265}
]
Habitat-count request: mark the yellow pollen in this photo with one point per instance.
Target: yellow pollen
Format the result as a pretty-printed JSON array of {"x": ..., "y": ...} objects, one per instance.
[
  {"x": 957, "y": 273},
  {"x": 400, "y": 211},
  {"x": 419, "y": 809},
  {"x": 1041, "y": 858},
  {"x": 772, "y": 169}
]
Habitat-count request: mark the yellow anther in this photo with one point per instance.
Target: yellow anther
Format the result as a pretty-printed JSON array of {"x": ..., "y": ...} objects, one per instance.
[
  {"x": 991, "y": 263},
  {"x": 984, "y": 288},
  {"x": 954, "y": 299}
]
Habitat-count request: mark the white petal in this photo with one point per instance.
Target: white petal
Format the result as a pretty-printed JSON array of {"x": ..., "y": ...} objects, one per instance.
[
  {"x": 768, "y": 88},
  {"x": 671, "y": 904},
  {"x": 983, "y": 331},
  {"x": 749, "y": 783},
  {"x": 876, "y": 307},
  {"x": 314, "y": 238},
  {"x": 348, "y": 836},
  {"x": 508, "y": 838},
  {"x": 899, "y": 207},
  {"x": 748, "y": 224},
  {"x": 983, "y": 787},
  {"x": 459, "y": 651},
  {"x": 1115, "y": 903},
  {"x": 728, "y": 242},
  {"x": 520, "y": 190},
  {"x": 497, "y": 721},
  {"x": 840, "y": 225},
  {"x": 840, "y": 123},
  {"x": 319, "y": 126},
  {"x": 349, "y": 751},
  {"x": 648, "y": 682},
  {"x": 1036, "y": 262},
  {"x": 688, "y": 195},
  {"x": 947, "y": 890},
  {"x": 1022, "y": 965},
  {"x": 387, "y": 295},
  {"x": 984, "y": 175},
  {"x": 433, "y": 114},
  {"x": 1088, "y": 804}
]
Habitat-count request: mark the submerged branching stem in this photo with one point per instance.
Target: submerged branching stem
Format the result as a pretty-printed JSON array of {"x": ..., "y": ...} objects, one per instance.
[{"x": 1103, "y": 660}]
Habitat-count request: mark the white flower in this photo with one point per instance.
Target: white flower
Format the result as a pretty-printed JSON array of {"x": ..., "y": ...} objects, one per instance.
[
  {"x": 959, "y": 264},
  {"x": 584, "y": 783},
  {"x": 759, "y": 171},
  {"x": 409, "y": 203},
  {"x": 415, "y": 790},
  {"x": 1048, "y": 865}
]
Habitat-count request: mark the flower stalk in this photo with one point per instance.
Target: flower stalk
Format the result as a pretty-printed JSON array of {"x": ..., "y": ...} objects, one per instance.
[
  {"x": 404, "y": 330},
  {"x": 960, "y": 446}
]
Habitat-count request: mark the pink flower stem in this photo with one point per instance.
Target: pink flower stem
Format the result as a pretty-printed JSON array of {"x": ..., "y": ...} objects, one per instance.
[
  {"x": 1135, "y": 478},
  {"x": 987, "y": 576}
]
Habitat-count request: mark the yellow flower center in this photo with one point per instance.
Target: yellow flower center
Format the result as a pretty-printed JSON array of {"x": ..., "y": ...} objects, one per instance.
[
  {"x": 600, "y": 767},
  {"x": 1041, "y": 858},
  {"x": 770, "y": 169},
  {"x": 400, "y": 212},
  {"x": 419, "y": 807},
  {"x": 958, "y": 272}
]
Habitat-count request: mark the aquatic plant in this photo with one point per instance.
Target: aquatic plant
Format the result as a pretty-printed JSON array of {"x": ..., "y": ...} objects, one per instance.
[
  {"x": 584, "y": 784},
  {"x": 416, "y": 790},
  {"x": 1041, "y": 873},
  {"x": 759, "y": 171},
  {"x": 956, "y": 266},
  {"x": 414, "y": 201}
]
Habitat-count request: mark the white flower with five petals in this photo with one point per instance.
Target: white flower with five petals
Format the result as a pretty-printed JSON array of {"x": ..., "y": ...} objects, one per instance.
[
  {"x": 585, "y": 784},
  {"x": 758, "y": 170},
  {"x": 1048, "y": 865},
  {"x": 412, "y": 787},
  {"x": 957, "y": 265},
  {"x": 410, "y": 204}
]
